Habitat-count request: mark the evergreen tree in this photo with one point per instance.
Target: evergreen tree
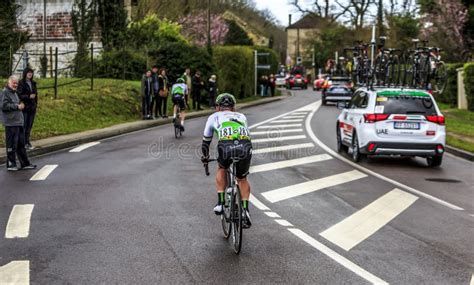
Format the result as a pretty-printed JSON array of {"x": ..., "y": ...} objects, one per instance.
[
  {"x": 10, "y": 34},
  {"x": 83, "y": 19},
  {"x": 237, "y": 36},
  {"x": 112, "y": 19}
]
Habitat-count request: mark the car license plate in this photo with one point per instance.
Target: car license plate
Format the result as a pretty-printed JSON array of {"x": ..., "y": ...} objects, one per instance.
[
  {"x": 406, "y": 126},
  {"x": 298, "y": 80}
]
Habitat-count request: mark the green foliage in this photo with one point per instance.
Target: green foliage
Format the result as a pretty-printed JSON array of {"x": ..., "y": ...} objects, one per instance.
[
  {"x": 450, "y": 94},
  {"x": 234, "y": 66},
  {"x": 469, "y": 84},
  {"x": 111, "y": 64},
  {"x": 83, "y": 17},
  {"x": 236, "y": 35},
  {"x": 272, "y": 60},
  {"x": 112, "y": 19},
  {"x": 402, "y": 29},
  {"x": 10, "y": 35}
]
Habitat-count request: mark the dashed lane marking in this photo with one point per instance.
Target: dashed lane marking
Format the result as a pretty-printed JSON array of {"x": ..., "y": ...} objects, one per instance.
[
  {"x": 286, "y": 121},
  {"x": 84, "y": 146},
  {"x": 337, "y": 257},
  {"x": 312, "y": 186},
  {"x": 279, "y": 126},
  {"x": 44, "y": 172},
  {"x": 367, "y": 221},
  {"x": 289, "y": 163},
  {"x": 472, "y": 280},
  {"x": 15, "y": 272},
  {"x": 276, "y": 132},
  {"x": 272, "y": 214},
  {"x": 277, "y": 139},
  {"x": 293, "y": 117},
  {"x": 284, "y": 223},
  {"x": 259, "y": 205},
  {"x": 283, "y": 148},
  {"x": 18, "y": 225},
  {"x": 315, "y": 106}
]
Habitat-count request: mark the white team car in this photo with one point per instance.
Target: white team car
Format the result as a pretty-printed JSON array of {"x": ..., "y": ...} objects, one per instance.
[{"x": 391, "y": 121}]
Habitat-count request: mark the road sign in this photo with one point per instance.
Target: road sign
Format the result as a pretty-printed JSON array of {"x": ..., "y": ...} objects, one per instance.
[
  {"x": 263, "y": 66},
  {"x": 263, "y": 53}
]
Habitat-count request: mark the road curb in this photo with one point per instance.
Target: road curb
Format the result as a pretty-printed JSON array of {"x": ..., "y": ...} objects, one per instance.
[
  {"x": 56, "y": 143},
  {"x": 460, "y": 153}
]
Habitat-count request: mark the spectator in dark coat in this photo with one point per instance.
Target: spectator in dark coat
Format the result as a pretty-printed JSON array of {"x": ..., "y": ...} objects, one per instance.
[
  {"x": 28, "y": 94},
  {"x": 272, "y": 84},
  {"x": 147, "y": 93},
  {"x": 163, "y": 93},
  {"x": 198, "y": 84},
  {"x": 12, "y": 118},
  {"x": 156, "y": 89},
  {"x": 212, "y": 89}
]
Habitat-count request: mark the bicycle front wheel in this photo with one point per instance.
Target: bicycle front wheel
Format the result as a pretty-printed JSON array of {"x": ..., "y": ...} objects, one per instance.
[{"x": 237, "y": 220}]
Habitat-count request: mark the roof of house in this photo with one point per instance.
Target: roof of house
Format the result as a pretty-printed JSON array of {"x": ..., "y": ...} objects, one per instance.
[{"x": 309, "y": 21}]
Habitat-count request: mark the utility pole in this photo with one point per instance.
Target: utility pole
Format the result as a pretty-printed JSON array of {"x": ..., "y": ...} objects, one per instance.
[
  {"x": 44, "y": 59},
  {"x": 209, "y": 43}
]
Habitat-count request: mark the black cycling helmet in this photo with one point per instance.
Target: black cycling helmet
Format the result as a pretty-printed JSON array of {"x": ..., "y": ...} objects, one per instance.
[
  {"x": 180, "y": 80},
  {"x": 226, "y": 100}
]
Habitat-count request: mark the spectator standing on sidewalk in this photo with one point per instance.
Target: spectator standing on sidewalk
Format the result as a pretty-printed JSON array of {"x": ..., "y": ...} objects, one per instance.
[
  {"x": 197, "y": 85},
  {"x": 12, "y": 118},
  {"x": 28, "y": 94},
  {"x": 163, "y": 93},
  {"x": 147, "y": 93},
  {"x": 272, "y": 84},
  {"x": 188, "y": 79},
  {"x": 212, "y": 88},
  {"x": 156, "y": 89}
]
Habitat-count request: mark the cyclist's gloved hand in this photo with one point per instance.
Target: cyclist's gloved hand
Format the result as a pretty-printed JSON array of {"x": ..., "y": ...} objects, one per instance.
[{"x": 205, "y": 159}]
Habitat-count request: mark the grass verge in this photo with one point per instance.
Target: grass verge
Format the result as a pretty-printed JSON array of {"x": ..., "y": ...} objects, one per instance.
[{"x": 459, "y": 127}]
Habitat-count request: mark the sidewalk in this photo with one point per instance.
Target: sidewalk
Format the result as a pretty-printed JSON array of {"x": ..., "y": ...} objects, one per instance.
[{"x": 66, "y": 141}]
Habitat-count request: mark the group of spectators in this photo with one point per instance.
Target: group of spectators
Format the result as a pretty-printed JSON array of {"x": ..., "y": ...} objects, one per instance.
[
  {"x": 156, "y": 89},
  {"x": 267, "y": 85},
  {"x": 18, "y": 103}
]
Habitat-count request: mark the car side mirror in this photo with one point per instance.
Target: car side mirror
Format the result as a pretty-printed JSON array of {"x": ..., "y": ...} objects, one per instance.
[{"x": 342, "y": 105}]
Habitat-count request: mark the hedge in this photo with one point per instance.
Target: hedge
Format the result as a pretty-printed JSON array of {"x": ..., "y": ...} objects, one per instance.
[
  {"x": 234, "y": 69},
  {"x": 469, "y": 84},
  {"x": 450, "y": 94}
]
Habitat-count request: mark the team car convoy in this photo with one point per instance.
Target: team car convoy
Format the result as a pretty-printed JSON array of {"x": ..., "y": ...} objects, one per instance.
[{"x": 391, "y": 121}]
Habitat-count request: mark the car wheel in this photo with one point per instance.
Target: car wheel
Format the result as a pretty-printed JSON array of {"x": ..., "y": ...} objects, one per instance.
[
  {"x": 340, "y": 147},
  {"x": 356, "y": 155},
  {"x": 434, "y": 161}
]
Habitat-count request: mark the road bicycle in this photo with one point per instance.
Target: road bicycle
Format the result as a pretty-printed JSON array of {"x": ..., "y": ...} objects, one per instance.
[
  {"x": 178, "y": 131},
  {"x": 387, "y": 65},
  {"x": 231, "y": 219}
]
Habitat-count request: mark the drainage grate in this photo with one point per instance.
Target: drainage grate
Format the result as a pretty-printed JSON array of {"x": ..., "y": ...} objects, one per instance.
[{"x": 443, "y": 180}]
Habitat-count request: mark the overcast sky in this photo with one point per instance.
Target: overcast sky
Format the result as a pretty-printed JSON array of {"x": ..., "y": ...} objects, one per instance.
[{"x": 279, "y": 8}]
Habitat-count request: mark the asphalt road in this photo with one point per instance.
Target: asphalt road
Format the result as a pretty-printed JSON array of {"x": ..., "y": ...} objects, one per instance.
[{"x": 137, "y": 209}]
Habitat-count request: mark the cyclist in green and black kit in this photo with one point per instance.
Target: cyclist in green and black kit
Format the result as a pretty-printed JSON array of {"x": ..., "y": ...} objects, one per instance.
[{"x": 233, "y": 136}]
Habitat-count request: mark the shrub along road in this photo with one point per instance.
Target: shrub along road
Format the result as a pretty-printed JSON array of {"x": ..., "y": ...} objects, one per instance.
[{"x": 138, "y": 209}]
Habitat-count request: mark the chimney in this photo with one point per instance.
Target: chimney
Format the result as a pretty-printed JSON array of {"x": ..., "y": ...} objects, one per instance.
[{"x": 289, "y": 20}]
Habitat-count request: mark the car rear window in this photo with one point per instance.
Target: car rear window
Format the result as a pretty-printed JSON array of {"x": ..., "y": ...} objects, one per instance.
[{"x": 405, "y": 103}]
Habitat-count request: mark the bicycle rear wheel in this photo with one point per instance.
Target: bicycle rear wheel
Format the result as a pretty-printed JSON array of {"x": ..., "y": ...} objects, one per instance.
[
  {"x": 226, "y": 216},
  {"x": 237, "y": 220},
  {"x": 440, "y": 77}
]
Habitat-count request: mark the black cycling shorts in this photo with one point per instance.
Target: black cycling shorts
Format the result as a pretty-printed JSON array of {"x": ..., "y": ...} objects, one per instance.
[
  {"x": 241, "y": 150},
  {"x": 179, "y": 100}
]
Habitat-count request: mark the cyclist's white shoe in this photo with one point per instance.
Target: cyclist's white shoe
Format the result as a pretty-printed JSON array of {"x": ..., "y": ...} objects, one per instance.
[
  {"x": 247, "y": 222},
  {"x": 219, "y": 209}
]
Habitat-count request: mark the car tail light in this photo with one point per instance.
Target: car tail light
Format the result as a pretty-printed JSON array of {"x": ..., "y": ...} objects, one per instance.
[
  {"x": 292, "y": 81},
  {"x": 372, "y": 118},
  {"x": 436, "y": 119},
  {"x": 439, "y": 149},
  {"x": 371, "y": 147}
]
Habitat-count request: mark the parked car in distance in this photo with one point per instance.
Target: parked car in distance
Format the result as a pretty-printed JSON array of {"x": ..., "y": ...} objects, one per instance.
[
  {"x": 318, "y": 83},
  {"x": 336, "y": 94},
  {"x": 391, "y": 121},
  {"x": 295, "y": 81},
  {"x": 280, "y": 80}
]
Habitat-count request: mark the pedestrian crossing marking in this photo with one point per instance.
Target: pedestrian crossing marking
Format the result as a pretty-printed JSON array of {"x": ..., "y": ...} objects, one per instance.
[
  {"x": 279, "y": 126},
  {"x": 289, "y": 163},
  {"x": 282, "y": 148},
  {"x": 276, "y": 132},
  {"x": 277, "y": 139}
]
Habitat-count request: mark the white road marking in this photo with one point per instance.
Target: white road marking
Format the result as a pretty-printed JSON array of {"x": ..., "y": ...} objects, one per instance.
[
  {"x": 472, "y": 280},
  {"x": 278, "y": 139},
  {"x": 282, "y": 148},
  {"x": 315, "y": 106},
  {"x": 365, "y": 222},
  {"x": 15, "y": 272},
  {"x": 84, "y": 146},
  {"x": 272, "y": 214},
  {"x": 300, "y": 112},
  {"x": 44, "y": 172},
  {"x": 337, "y": 257},
  {"x": 279, "y": 116},
  {"x": 294, "y": 117},
  {"x": 259, "y": 205},
  {"x": 276, "y": 132},
  {"x": 311, "y": 186},
  {"x": 289, "y": 163},
  {"x": 18, "y": 225},
  {"x": 280, "y": 126},
  {"x": 284, "y": 223},
  {"x": 286, "y": 121}
]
